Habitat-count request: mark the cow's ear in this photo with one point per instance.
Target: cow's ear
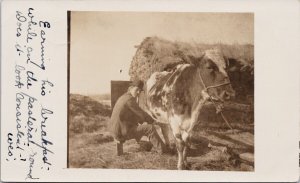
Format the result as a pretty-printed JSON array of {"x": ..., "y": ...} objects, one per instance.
[
  {"x": 199, "y": 59},
  {"x": 192, "y": 60},
  {"x": 226, "y": 61},
  {"x": 195, "y": 60}
]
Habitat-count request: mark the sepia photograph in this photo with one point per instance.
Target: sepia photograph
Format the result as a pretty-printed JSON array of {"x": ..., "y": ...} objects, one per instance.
[
  {"x": 161, "y": 90},
  {"x": 150, "y": 91}
]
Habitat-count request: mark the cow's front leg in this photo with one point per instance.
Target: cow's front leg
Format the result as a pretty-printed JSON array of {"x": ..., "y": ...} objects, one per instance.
[
  {"x": 180, "y": 147},
  {"x": 185, "y": 138},
  {"x": 184, "y": 156}
]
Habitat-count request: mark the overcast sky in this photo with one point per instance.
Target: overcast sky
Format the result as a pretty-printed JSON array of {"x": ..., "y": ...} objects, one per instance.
[{"x": 102, "y": 43}]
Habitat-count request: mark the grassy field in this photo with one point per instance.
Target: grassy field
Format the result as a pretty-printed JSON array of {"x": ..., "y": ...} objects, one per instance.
[{"x": 215, "y": 147}]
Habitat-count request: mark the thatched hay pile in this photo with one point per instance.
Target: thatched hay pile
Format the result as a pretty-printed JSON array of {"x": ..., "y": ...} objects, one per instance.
[{"x": 155, "y": 54}]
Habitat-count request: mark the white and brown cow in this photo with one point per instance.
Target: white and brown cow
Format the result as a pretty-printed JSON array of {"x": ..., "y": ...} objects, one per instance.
[{"x": 176, "y": 97}]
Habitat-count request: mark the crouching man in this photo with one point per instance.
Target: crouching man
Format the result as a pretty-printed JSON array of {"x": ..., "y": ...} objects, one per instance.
[{"x": 127, "y": 120}]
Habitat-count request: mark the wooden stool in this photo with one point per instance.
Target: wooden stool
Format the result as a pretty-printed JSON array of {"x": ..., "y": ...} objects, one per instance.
[{"x": 119, "y": 147}]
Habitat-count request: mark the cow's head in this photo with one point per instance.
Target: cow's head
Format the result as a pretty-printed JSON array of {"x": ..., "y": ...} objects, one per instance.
[{"x": 211, "y": 72}]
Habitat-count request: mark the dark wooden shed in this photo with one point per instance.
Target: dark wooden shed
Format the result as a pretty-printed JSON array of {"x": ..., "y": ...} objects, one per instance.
[{"x": 118, "y": 88}]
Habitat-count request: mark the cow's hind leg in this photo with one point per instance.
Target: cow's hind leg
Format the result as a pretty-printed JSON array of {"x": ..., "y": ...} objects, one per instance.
[
  {"x": 179, "y": 144},
  {"x": 165, "y": 132}
]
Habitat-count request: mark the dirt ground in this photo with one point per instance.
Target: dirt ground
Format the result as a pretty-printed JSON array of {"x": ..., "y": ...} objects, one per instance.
[{"x": 214, "y": 149}]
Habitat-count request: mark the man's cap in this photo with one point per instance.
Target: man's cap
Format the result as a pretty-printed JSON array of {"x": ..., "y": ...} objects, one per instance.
[{"x": 138, "y": 83}]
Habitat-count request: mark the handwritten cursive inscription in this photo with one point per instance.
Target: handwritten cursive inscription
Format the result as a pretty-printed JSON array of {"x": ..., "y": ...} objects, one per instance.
[
  {"x": 19, "y": 49},
  {"x": 30, "y": 118},
  {"x": 10, "y": 143},
  {"x": 45, "y": 115},
  {"x": 42, "y": 66},
  {"x": 18, "y": 70},
  {"x": 30, "y": 142},
  {"x": 29, "y": 50},
  {"x": 30, "y": 79},
  {"x": 20, "y": 134},
  {"x": 20, "y": 19},
  {"x": 44, "y": 90},
  {"x": 44, "y": 24},
  {"x": 31, "y": 163},
  {"x": 31, "y": 22}
]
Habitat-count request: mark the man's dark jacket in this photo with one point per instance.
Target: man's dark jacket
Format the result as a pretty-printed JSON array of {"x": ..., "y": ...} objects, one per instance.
[{"x": 126, "y": 116}]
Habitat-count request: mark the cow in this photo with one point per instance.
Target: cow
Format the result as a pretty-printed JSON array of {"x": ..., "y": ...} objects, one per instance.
[{"x": 175, "y": 97}]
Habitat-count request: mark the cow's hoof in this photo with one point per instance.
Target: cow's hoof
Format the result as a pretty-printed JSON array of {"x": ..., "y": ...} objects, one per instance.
[
  {"x": 187, "y": 165},
  {"x": 181, "y": 167}
]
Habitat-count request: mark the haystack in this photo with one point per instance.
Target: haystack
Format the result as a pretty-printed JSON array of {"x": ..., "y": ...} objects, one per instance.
[{"x": 156, "y": 54}]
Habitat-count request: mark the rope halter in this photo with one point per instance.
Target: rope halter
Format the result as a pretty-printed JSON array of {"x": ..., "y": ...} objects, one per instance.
[{"x": 205, "y": 92}]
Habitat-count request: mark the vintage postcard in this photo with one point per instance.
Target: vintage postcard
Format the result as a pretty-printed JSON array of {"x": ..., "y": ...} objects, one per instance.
[{"x": 144, "y": 91}]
